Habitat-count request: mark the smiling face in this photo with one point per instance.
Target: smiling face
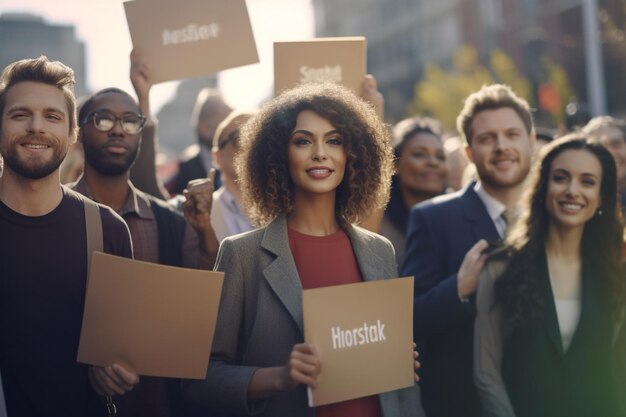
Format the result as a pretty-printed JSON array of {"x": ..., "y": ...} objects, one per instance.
[
  {"x": 573, "y": 192},
  {"x": 35, "y": 132},
  {"x": 316, "y": 155},
  {"x": 500, "y": 148},
  {"x": 110, "y": 153},
  {"x": 421, "y": 166}
]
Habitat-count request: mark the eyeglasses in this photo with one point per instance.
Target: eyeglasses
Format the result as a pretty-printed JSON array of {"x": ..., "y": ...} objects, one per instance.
[{"x": 105, "y": 121}]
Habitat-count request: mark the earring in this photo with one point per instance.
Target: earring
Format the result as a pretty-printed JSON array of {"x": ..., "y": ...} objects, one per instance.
[{"x": 599, "y": 212}]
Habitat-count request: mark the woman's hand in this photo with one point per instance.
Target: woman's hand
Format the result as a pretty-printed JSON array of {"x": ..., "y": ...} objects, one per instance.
[
  {"x": 303, "y": 367},
  {"x": 112, "y": 380}
]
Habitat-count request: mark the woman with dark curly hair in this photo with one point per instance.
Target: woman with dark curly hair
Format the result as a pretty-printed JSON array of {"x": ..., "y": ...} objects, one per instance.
[
  {"x": 548, "y": 304},
  {"x": 314, "y": 161},
  {"x": 420, "y": 174}
]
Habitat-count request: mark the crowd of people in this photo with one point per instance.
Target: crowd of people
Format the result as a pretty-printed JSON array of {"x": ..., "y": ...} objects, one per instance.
[{"x": 513, "y": 234}]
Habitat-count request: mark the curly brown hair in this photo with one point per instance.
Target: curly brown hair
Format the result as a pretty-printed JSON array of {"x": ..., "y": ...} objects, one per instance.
[
  {"x": 263, "y": 167},
  {"x": 517, "y": 290}
]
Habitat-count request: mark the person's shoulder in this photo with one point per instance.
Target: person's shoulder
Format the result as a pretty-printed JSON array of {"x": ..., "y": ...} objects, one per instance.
[
  {"x": 71, "y": 196},
  {"x": 368, "y": 236},
  {"x": 443, "y": 201},
  {"x": 244, "y": 248},
  {"x": 365, "y": 233},
  {"x": 449, "y": 205},
  {"x": 110, "y": 219},
  {"x": 245, "y": 239}
]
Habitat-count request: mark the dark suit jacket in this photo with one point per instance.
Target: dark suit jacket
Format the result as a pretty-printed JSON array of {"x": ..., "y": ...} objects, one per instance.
[
  {"x": 188, "y": 170},
  {"x": 260, "y": 319},
  {"x": 440, "y": 233}
]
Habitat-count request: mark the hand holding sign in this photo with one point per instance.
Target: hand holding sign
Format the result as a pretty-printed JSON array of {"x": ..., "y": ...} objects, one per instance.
[
  {"x": 340, "y": 60},
  {"x": 364, "y": 333},
  {"x": 177, "y": 40},
  {"x": 304, "y": 366},
  {"x": 112, "y": 380},
  {"x": 369, "y": 92}
]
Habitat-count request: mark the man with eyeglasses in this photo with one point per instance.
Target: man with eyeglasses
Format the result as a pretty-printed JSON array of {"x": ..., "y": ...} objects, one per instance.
[
  {"x": 43, "y": 251},
  {"x": 110, "y": 132}
]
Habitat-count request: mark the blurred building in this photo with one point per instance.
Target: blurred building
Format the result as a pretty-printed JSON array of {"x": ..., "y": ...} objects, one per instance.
[
  {"x": 404, "y": 35},
  {"x": 25, "y": 35}
]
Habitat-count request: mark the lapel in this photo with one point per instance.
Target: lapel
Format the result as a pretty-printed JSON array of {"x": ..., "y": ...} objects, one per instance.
[
  {"x": 476, "y": 214},
  {"x": 371, "y": 265},
  {"x": 549, "y": 320},
  {"x": 281, "y": 274}
]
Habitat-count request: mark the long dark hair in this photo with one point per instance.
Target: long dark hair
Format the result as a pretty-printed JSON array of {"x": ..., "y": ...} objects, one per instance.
[{"x": 517, "y": 290}]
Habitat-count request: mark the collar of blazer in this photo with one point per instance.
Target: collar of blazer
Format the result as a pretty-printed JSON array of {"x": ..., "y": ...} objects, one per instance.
[
  {"x": 282, "y": 275},
  {"x": 476, "y": 213}
]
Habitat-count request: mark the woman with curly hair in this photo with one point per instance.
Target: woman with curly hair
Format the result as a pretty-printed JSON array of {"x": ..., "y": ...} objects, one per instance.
[
  {"x": 550, "y": 301},
  {"x": 312, "y": 163},
  {"x": 420, "y": 174}
]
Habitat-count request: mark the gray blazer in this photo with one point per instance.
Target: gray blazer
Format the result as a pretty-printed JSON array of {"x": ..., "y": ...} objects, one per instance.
[
  {"x": 260, "y": 319},
  {"x": 495, "y": 401}
]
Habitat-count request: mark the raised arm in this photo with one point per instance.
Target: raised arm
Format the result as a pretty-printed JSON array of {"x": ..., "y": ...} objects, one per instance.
[{"x": 143, "y": 171}]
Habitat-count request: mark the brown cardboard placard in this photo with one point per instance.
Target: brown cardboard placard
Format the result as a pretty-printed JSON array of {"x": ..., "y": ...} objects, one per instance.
[
  {"x": 157, "y": 320},
  {"x": 342, "y": 60},
  {"x": 191, "y": 38},
  {"x": 364, "y": 335}
]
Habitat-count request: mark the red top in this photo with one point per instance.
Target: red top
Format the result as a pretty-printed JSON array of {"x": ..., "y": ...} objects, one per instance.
[{"x": 322, "y": 262}]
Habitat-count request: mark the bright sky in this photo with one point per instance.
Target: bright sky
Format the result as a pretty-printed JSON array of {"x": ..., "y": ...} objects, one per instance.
[{"x": 101, "y": 24}]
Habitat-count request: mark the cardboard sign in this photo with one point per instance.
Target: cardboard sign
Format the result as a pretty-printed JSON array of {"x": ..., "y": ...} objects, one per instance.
[
  {"x": 157, "y": 320},
  {"x": 364, "y": 335},
  {"x": 341, "y": 60},
  {"x": 191, "y": 38}
]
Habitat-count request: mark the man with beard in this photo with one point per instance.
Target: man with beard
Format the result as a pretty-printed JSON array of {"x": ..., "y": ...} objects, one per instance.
[
  {"x": 448, "y": 240},
  {"x": 209, "y": 111},
  {"x": 110, "y": 132},
  {"x": 43, "y": 251}
]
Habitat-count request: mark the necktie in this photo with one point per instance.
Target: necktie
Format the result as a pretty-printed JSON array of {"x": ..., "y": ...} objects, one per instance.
[{"x": 506, "y": 216}]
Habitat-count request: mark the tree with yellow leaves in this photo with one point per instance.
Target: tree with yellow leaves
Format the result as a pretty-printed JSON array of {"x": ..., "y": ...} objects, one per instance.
[{"x": 441, "y": 94}]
